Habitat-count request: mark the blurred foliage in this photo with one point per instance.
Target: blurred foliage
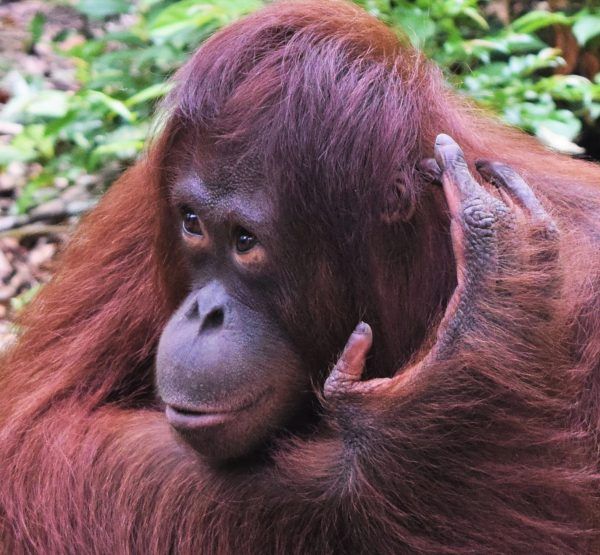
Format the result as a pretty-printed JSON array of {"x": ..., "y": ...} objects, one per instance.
[
  {"x": 122, "y": 70},
  {"x": 507, "y": 67}
]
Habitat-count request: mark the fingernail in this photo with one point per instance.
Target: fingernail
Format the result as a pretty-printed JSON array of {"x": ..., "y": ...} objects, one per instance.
[
  {"x": 443, "y": 139},
  {"x": 362, "y": 327},
  {"x": 448, "y": 154}
]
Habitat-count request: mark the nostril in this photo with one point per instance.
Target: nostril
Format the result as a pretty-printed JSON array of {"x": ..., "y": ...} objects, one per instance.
[
  {"x": 213, "y": 320},
  {"x": 193, "y": 311}
]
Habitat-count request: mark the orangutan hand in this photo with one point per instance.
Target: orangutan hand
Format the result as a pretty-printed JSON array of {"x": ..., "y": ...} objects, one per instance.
[{"x": 483, "y": 229}]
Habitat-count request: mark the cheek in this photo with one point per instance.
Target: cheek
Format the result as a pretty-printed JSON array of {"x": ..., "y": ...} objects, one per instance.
[{"x": 320, "y": 316}]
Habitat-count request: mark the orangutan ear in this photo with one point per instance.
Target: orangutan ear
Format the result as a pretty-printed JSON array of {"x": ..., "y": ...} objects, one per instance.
[
  {"x": 401, "y": 198},
  {"x": 399, "y": 201},
  {"x": 398, "y": 204}
]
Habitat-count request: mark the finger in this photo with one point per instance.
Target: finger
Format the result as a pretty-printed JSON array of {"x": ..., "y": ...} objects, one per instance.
[
  {"x": 475, "y": 219},
  {"x": 349, "y": 367},
  {"x": 507, "y": 179},
  {"x": 459, "y": 186},
  {"x": 430, "y": 170},
  {"x": 451, "y": 161}
]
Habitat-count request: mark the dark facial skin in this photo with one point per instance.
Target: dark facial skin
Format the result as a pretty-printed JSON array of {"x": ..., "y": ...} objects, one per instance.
[{"x": 226, "y": 371}]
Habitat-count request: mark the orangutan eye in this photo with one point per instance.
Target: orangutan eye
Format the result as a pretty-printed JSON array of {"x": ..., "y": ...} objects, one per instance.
[
  {"x": 191, "y": 223},
  {"x": 244, "y": 240}
]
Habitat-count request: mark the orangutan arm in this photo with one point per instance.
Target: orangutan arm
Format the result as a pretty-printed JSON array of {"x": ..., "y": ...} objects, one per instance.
[{"x": 477, "y": 429}]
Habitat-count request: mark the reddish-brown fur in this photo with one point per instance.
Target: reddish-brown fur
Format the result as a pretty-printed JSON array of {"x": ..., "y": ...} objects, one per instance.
[{"x": 497, "y": 453}]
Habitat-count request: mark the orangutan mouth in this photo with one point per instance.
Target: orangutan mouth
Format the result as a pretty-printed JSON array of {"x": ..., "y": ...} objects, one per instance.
[{"x": 187, "y": 418}]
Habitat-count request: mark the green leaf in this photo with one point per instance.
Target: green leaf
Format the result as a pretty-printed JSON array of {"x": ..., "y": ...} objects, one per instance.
[
  {"x": 416, "y": 24},
  {"x": 149, "y": 93},
  {"x": 547, "y": 58},
  {"x": 378, "y": 8},
  {"x": 48, "y": 104},
  {"x": 539, "y": 19},
  {"x": 555, "y": 140},
  {"x": 586, "y": 28},
  {"x": 187, "y": 15},
  {"x": 88, "y": 50},
  {"x": 519, "y": 43},
  {"x": 121, "y": 150},
  {"x": 182, "y": 17},
  {"x": 36, "y": 27},
  {"x": 564, "y": 123},
  {"x": 594, "y": 110},
  {"x": 569, "y": 88},
  {"x": 10, "y": 153},
  {"x": 475, "y": 16},
  {"x": 112, "y": 104},
  {"x": 99, "y": 9},
  {"x": 19, "y": 302}
]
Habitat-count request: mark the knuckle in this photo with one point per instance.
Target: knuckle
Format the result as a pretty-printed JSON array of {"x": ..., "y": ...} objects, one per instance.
[
  {"x": 478, "y": 216},
  {"x": 456, "y": 161},
  {"x": 333, "y": 385}
]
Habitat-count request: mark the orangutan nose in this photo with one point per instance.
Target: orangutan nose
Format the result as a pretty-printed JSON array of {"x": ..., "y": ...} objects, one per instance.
[{"x": 209, "y": 308}]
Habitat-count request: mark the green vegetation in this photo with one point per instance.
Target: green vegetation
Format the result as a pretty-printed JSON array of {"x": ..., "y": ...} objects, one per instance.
[
  {"x": 121, "y": 70},
  {"x": 509, "y": 68}
]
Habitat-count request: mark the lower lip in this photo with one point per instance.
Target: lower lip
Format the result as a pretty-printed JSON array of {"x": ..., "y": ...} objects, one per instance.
[
  {"x": 195, "y": 420},
  {"x": 190, "y": 421}
]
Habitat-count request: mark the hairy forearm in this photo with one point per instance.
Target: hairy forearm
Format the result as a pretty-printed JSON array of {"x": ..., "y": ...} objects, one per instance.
[{"x": 478, "y": 424}]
